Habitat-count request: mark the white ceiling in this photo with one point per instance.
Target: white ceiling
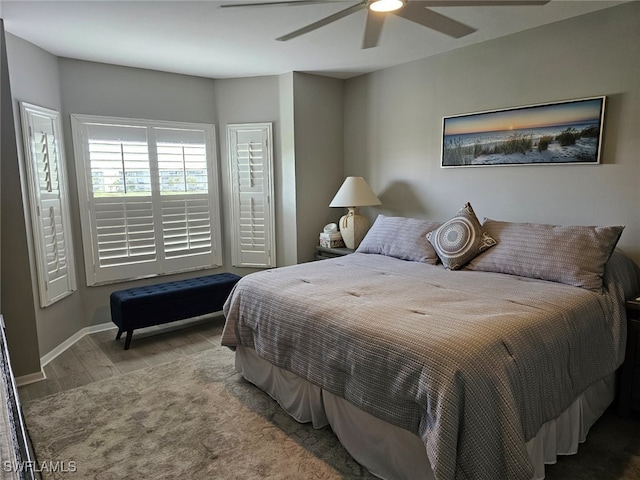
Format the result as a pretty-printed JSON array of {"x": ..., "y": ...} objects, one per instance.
[{"x": 199, "y": 38}]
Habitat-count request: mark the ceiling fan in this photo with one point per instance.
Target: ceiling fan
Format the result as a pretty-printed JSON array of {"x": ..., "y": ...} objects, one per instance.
[{"x": 377, "y": 10}]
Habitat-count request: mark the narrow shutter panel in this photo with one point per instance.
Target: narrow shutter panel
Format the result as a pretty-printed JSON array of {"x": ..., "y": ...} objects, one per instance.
[
  {"x": 122, "y": 210},
  {"x": 48, "y": 203},
  {"x": 250, "y": 156},
  {"x": 187, "y": 205}
]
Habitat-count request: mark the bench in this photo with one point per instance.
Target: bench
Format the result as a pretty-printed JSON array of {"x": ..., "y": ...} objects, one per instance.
[{"x": 150, "y": 305}]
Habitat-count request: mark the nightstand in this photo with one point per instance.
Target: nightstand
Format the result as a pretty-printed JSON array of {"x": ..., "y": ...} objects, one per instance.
[
  {"x": 629, "y": 400},
  {"x": 322, "y": 253}
]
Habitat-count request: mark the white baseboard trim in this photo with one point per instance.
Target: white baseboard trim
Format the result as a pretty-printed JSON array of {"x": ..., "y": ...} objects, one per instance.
[
  {"x": 44, "y": 360},
  {"x": 47, "y": 358},
  {"x": 30, "y": 378},
  {"x": 39, "y": 376}
]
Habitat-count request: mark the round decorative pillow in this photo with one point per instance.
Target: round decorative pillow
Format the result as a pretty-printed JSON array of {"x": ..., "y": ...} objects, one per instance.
[{"x": 460, "y": 239}]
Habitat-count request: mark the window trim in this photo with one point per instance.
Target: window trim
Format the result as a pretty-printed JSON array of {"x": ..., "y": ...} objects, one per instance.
[{"x": 96, "y": 275}]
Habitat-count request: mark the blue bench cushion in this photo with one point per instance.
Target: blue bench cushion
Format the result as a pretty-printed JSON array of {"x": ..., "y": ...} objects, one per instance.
[{"x": 170, "y": 301}]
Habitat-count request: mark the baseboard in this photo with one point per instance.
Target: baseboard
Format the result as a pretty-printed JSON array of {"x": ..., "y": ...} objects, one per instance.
[
  {"x": 47, "y": 358},
  {"x": 110, "y": 326},
  {"x": 30, "y": 378}
]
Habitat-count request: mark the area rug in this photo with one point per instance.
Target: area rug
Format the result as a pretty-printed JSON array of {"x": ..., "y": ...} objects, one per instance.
[{"x": 192, "y": 418}]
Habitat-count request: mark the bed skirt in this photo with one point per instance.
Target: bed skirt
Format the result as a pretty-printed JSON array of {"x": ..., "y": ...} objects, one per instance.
[{"x": 393, "y": 453}]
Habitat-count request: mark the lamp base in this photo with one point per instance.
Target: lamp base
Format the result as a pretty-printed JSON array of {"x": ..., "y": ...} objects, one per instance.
[{"x": 353, "y": 228}]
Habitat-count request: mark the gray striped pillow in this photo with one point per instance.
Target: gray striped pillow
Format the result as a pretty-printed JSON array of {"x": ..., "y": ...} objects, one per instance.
[
  {"x": 400, "y": 237},
  {"x": 574, "y": 255}
]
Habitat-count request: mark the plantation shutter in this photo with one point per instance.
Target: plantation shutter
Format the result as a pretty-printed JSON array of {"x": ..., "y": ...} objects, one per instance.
[
  {"x": 151, "y": 190},
  {"x": 44, "y": 157},
  {"x": 188, "y": 210},
  {"x": 251, "y": 166},
  {"x": 121, "y": 207}
]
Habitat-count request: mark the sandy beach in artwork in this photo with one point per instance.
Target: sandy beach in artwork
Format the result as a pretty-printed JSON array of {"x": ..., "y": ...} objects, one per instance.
[
  {"x": 562, "y": 132},
  {"x": 584, "y": 150}
]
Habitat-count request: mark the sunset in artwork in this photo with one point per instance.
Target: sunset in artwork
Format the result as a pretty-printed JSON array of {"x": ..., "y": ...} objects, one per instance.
[{"x": 566, "y": 132}]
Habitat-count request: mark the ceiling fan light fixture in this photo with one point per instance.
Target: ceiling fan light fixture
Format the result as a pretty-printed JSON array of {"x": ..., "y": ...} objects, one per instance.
[{"x": 386, "y": 5}]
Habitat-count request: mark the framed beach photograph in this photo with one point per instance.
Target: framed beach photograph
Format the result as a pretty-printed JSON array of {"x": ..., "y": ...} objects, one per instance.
[{"x": 568, "y": 132}]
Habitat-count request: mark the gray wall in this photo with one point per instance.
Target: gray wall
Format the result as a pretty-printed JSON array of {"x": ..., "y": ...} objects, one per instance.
[
  {"x": 33, "y": 79},
  {"x": 100, "y": 89},
  {"x": 308, "y": 148},
  {"x": 287, "y": 227},
  {"x": 389, "y": 125},
  {"x": 393, "y": 126},
  {"x": 74, "y": 86},
  {"x": 255, "y": 100},
  {"x": 319, "y": 147}
]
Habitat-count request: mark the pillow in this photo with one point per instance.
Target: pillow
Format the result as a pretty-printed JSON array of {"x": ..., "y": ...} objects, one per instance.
[
  {"x": 574, "y": 255},
  {"x": 460, "y": 239},
  {"x": 400, "y": 237}
]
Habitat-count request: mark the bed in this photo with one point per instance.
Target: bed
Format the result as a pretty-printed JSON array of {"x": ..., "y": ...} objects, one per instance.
[{"x": 434, "y": 361}]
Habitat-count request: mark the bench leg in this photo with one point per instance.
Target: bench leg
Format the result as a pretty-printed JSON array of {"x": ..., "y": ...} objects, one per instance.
[{"x": 127, "y": 340}]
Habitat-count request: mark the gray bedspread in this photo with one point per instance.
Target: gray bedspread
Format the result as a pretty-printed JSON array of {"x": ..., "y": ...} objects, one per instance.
[{"x": 472, "y": 362}]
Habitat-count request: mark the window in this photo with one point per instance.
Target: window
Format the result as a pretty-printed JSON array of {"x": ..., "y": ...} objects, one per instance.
[
  {"x": 151, "y": 197},
  {"x": 49, "y": 209},
  {"x": 251, "y": 166}
]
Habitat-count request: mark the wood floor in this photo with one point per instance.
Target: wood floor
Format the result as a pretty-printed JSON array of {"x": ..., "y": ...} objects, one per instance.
[
  {"x": 98, "y": 356},
  {"x": 612, "y": 450}
]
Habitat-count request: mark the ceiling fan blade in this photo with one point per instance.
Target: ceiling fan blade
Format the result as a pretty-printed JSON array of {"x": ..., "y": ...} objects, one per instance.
[
  {"x": 286, "y": 3},
  {"x": 321, "y": 23},
  {"x": 372, "y": 28},
  {"x": 416, "y": 12},
  {"x": 478, "y": 3}
]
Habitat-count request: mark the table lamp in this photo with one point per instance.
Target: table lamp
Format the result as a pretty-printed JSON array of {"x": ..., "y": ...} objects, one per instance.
[{"x": 355, "y": 192}]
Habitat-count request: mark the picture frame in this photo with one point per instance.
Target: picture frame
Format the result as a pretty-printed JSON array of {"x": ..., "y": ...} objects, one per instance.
[{"x": 557, "y": 133}]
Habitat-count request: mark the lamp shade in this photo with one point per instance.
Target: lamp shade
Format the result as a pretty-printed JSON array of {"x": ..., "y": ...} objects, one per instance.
[{"x": 355, "y": 192}]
